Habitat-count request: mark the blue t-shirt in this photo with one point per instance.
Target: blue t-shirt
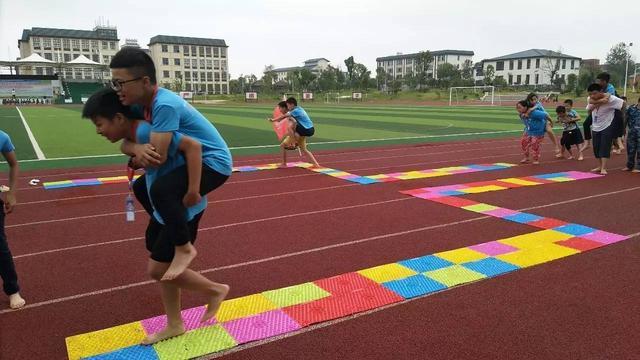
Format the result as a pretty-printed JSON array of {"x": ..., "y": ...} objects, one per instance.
[
  {"x": 536, "y": 123},
  {"x": 301, "y": 117},
  {"x": 170, "y": 112},
  {"x": 6, "y": 146},
  {"x": 633, "y": 118},
  {"x": 174, "y": 159},
  {"x": 610, "y": 89},
  {"x": 539, "y": 106},
  {"x": 569, "y": 126}
]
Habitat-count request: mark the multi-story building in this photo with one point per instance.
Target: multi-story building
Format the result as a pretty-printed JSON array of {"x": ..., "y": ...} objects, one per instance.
[
  {"x": 192, "y": 64},
  {"x": 531, "y": 67},
  {"x": 64, "y": 45},
  {"x": 316, "y": 66},
  {"x": 400, "y": 65}
]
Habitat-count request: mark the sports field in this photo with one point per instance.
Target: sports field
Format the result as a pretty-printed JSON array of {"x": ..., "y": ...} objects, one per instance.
[{"x": 67, "y": 140}]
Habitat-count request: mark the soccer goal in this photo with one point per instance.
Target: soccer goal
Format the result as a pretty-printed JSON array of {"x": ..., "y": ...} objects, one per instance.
[{"x": 472, "y": 95}]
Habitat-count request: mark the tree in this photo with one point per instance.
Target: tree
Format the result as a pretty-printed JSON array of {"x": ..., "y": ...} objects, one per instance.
[
  {"x": 381, "y": 77},
  {"x": 422, "y": 62},
  {"x": 551, "y": 66},
  {"x": 234, "y": 86},
  {"x": 294, "y": 79},
  {"x": 327, "y": 79},
  {"x": 586, "y": 76},
  {"x": 306, "y": 78},
  {"x": 268, "y": 78},
  {"x": 467, "y": 70},
  {"x": 360, "y": 77},
  {"x": 489, "y": 74},
  {"x": 617, "y": 62},
  {"x": 350, "y": 63},
  {"x": 341, "y": 79},
  {"x": 572, "y": 81},
  {"x": 396, "y": 86},
  {"x": 447, "y": 74}
]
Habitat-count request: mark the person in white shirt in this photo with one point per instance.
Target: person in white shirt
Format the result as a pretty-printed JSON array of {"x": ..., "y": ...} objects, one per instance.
[{"x": 602, "y": 113}]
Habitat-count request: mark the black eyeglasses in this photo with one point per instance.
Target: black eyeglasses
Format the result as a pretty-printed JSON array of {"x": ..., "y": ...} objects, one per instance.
[{"x": 116, "y": 85}]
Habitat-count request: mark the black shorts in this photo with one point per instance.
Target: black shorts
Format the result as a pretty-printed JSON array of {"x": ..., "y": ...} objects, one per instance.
[
  {"x": 570, "y": 138},
  {"x": 302, "y": 131},
  {"x": 602, "y": 141},
  {"x": 618, "y": 124},
  {"x": 586, "y": 126},
  {"x": 162, "y": 249}
]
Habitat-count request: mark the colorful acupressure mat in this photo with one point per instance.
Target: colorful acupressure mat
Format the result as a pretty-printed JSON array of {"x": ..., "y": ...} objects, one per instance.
[
  {"x": 275, "y": 312},
  {"x": 249, "y": 168},
  {"x": 86, "y": 182}
]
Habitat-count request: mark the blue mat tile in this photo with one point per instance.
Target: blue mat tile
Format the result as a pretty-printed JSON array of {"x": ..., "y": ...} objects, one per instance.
[
  {"x": 425, "y": 263},
  {"x": 522, "y": 218},
  {"x": 136, "y": 352},
  {"x": 413, "y": 286},
  {"x": 575, "y": 229},
  {"x": 490, "y": 266},
  {"x": 550, "y": 176}
]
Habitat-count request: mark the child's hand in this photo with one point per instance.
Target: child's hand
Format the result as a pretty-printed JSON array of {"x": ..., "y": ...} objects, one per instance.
[
  {"x": 191, "y": 198},
  {"x": 10, "y": 202},
  {"x": 146, "y": 155}
]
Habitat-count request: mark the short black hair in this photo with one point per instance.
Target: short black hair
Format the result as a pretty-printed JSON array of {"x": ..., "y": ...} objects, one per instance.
[
  {"x": 561, "y": 109},
  {"x": 623, "y": 98},
  {"x": 594, "y": 87},
  {"x": 105, "y": 103},
  {"x": 531, "y": 96},
  {"x": 138, "y": 62},
  {"x": 525, "y": 103},
  {"x": 282, "y": 104},
  {"x": 293, "y": 101},
  {"x": 569, "y": 101},
  {"x": 604, "y": 76}
]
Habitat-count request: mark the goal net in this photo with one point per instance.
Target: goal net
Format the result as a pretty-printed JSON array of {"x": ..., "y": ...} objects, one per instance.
[{"x": 472, "y": 95}]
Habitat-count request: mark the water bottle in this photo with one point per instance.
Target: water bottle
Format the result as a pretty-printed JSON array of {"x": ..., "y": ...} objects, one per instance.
[{"x": 130, "y": 209}]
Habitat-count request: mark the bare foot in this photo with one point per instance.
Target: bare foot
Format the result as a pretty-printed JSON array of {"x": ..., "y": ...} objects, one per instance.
[
  {"x": 603, "y": 172},
  {"x": 635, "y": 171},
  {"x": 524, "y": 161},
  {"x": 213, "y": 305},
  {"x": 625, "y": 169},
  {"x": 536, "y": 162},
  {"x": 183, "y": 257},
  {"x": 595, "y": 169},
  {"x": 282, "y": 166},
  {"x": 16, "y": 301},
  {"x": 580, "y": 158},
  {"x": 559, "y": 156},
  {"x": 570, "y": 158},
  {"x": 166, "y": 333}
]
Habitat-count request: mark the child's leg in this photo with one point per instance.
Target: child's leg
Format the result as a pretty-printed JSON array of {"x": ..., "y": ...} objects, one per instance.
[
  {"x": 552, "y": 136},
  {"x": 525, "y": 142},
  {"x": 7, "y": 268},
  {"x": 535, "y": 148},
  {"x": 283, "y": 147},
  {"x": 170, "y": 294},
  {"x": 302, "y": 141},
  {"x": 633, "y": 151}
]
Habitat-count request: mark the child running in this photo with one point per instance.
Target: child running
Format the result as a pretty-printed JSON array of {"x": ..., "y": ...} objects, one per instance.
[
  {"x": 535, "y": 124},
  {"x": 7, "y": 267},
  {"x": 116, "y": 122},
  {"x": 571, "y": 134},
  {"x": 303, "y": 129}
]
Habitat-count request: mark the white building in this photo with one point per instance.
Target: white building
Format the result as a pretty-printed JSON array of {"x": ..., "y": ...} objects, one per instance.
[
  {"x": 530, "y": 67},
  {"x": 316, "y": 66},
  {"x": 403, "y": 64},
  {"x": 65, "y": 45},
  {"x": 191, "y": 64}
]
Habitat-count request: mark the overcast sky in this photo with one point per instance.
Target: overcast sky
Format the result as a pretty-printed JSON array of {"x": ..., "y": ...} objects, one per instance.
[{"x": 286, "y": 32}]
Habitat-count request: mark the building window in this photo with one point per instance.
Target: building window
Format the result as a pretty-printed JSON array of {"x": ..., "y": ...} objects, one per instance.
[
  {"x": 207, "y": 51},
  {"x": 223, "y": 64},
  {"x": 57, "y": 44},
  {"x": 224, "y": 76},
  {"x": 39, "y": 71},
  {"x": 202, "y": 62},
  {"x": 85, "y": 45},
  {"x": 528, "y": 63},
  {"x": 217, "y": 88},
  {"x": 94, "y": 44},
  {"x": 537, "y": 66},
  {"x": 165, "y": 48},
  {"x": 194, "y": 51},
  {"x": 165, "y": 61},
  {"x": 105, "y": 59},
  {"x": 518, "y": 79},
  {"x": 208, "y": 64},
  {"x": 112, "y": 45},
  {"x": 176, "y": 48},
  {"x": 187, "y": 64},
  {"x": 195, "y": 76},
  {"x": 458, "y": 57},
  {"x": 216, "y": 76},
  {"x": 185, "y": 50},
  {"x": 194, "y": 63},
  {"x": 537, "y": 78},
  {"x": 176, "y": 62},
  {"x": 510, "y": 79},
  {"x": 527, "y": 78},
  {"x": 75, "y": 44},
  {"x": 209, "y": 76},
  {"x": 216, "y": 64},
  {"x": 187, "y": 75},
  {"x": 500, "y": 66},
  {"x": 519, "y": 64},
  {"x": 564, "y": 63},
  {"x": 96, "y": 58},
  {"x": 201, "y": 51},
  {"x": 573, "y": 66},
  {"x": 224, "y": 88},
  {"x": 105, "y": 45},
  {"x": 48, "y": 56},
  {"x": 223, "y": 52},
  {"x": 67, "y": 57},
  {"x": 510, "y": 64},
  {"x": 209, "y": 88},
  {"x": 36, "y": 43},
  {"x": 216, "y": 52},
  {"x": 46, "y": 43},
  {"x": 178, "y": 74},
  {"x": 165, "y": 74}
]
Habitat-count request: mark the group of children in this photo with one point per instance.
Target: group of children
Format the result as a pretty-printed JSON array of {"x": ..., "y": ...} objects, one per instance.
[
  {"x": 184, "y": 158},
  {"x": 605, "y": 127}
]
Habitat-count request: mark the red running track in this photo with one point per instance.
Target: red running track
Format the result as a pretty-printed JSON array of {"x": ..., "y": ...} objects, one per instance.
[{"x": 82, "y": 268}]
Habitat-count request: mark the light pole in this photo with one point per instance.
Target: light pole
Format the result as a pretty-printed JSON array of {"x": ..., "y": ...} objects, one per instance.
[{"x": 626, "y": 69}]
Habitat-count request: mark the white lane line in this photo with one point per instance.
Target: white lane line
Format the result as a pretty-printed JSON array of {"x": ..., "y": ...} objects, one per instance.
[{"x": 34, "y": 142}]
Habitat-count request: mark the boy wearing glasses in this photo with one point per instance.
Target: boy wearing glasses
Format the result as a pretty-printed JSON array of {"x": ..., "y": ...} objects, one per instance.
[{"x": 134, "y": 80}]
